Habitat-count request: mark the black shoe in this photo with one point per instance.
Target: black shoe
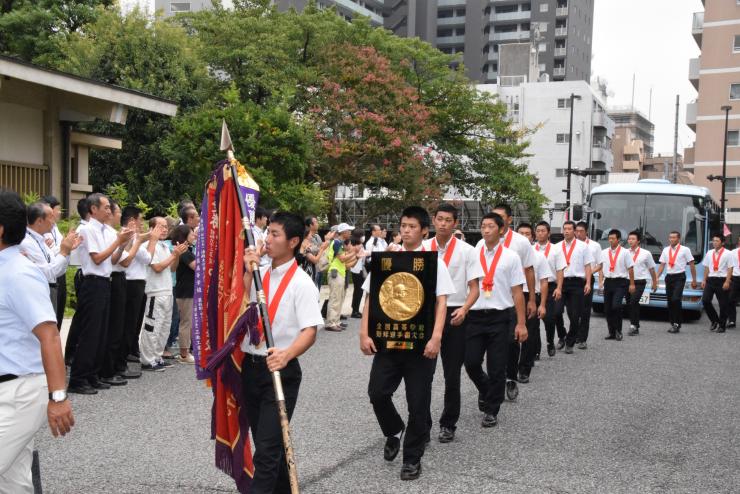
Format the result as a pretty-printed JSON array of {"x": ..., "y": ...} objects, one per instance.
[
  {"x": 356, "y": 315},
  {"x": 392, "y": 446},
  {"x": 130, "y": 374},
  {"x": 537, "y": 356},
  {"x": 446, "y": 435},
  {"x": 523, "y": 378},
  {"x": 582, "y": 345},
  {"x": 84, "y": 389},
  {"x": 714, "y": 326},
  {"x": 561, "y": 344},
  {"x": 489, "y": 420},
  {"x": 98, "y": 384},
  {"x": 568, "y": 349},
  {"x": 342, "y": 318},
  {"x": 731, "y": 325},
  {"x": 166, "y": 364},
  {"x": 619, "y": 336},
  {"x": 133, "y": 358},
  {"x": 721, "y": 329},
  {"x": 634, "y": 331},
  {"x": 343, "y": 325},
  {"x": 410, "y": 471},
  {"x": 675, "y": 328},
  {"x": 611, "y": 337},
  {"x": 512, "y": 390},
  {"x": 551, "y": 350},
  {"x": 116, "y": 380}
]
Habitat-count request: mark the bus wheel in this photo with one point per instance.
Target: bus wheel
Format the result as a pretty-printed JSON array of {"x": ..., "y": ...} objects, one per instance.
[
  {"x": 598, "y": 308},
  {"x": 691, "y": 315}
]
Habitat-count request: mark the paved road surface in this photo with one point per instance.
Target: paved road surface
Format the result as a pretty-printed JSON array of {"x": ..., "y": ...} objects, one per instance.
[{"x": 654, "y": 413}]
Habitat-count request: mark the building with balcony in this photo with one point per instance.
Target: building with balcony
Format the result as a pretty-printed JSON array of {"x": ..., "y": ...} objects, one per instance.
[
  {"x": 716, "y": 75},
  {"x": 633, "y": 140}
]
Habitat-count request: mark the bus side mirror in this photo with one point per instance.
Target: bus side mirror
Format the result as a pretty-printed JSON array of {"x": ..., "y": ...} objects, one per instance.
[{"x": 577, "y": 212}]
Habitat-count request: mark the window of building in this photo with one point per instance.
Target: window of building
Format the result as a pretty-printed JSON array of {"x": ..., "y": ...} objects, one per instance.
[
  {"x": 527, "y": 7},
  {"x": 562, "y": 138},
  {"x": 732, "y": 185},
  {"x": 561, "y": 172},
  {"x": 543, "y": 27},
  {"x": 544, "y": 7},
  {"x": 442, "y": 14},
  {"x": 543, "y": 67},
  {"x": 460, "y": 12},
  {"x": 563, "y": 102},
  {"x": 733, "y": 137},
  {"x": 180, "y": 7},
  {"x": 542, "y": 47},
  {"x": 735, "y": 91},
  {"x": 460, "y": 31},
  {"x": 505, "y": 9},
  {"x": 736, "y": 43},
  {"x": 443, "y": 33}
]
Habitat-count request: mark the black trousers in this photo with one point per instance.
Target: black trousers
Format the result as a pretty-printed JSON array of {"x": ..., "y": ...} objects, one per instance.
[
  {"x": 571, "y": 301},
  {"x": 712, "y": 288},
  {"x": 488, "y": 335},
  {"x": 633, "y": 302},
  {"x": 533, "y": 345},
  {"x": 614, "y": 291},
  {"x": 674, "y": 284},
  {"x": 61, "y": 299},
  {"x": 357, "y": 280},
  {"x": 135, "y": 307},
  {"x": 585, "y": 324},
  {"x": 74, "y": 328},
  {"x": 453, "y": 358},
  {"x": 92, "y": 306},
  {"x": 734, "y": 299},
  {"x": 552, "y": 321},
  {"x": 116, "y": 323},
  {"x": 417, "y": 372},
  {"x": 270, "y": 470}
]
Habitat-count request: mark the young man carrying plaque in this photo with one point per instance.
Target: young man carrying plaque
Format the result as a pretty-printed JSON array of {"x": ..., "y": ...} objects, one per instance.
[
  {"x": 465, "y": 270},
  {"x": 489, "y": 332},
  {"x": 414, "y": 368}
]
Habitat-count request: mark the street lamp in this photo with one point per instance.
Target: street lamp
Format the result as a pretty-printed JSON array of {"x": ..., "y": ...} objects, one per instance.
[
  {"x": 573, "y": 97},
  {"x": 726, "y": 109}
]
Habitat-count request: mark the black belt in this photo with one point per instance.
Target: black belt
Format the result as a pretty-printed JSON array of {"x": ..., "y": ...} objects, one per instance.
[
  {"x": 575, "y": 278},
  {"x": 490, "y": 311},
  {"x": 7, "y": 377},
  {"x": 118, "y": 273},
  {"x": 640, "y": 282},
  {"x": 675, "y": 274},
  {"x": 95, "y": 276},
  {"x": 52, "y": 285}
]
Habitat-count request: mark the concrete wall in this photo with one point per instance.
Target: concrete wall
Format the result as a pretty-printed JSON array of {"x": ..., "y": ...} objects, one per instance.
[{"x": 21, "y": 134}]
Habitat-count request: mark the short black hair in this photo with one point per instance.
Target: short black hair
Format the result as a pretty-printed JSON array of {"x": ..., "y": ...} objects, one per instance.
[
  {"x": 309, "y": 221},
  {"x": 571, "y": 223},
  {"x": 543, "y": 223},
  {"x": 446, "y": 207},
  {"x": 418, "y": 213},
  {"x": 94, "y": 200},
  {"x": 719, "y": 236},
  {"x": 180, "y": 234},
  {"x": 129, "y": 213},
  {"x": 260, "y": 212},
  {"x": 525, "y": 225},
  {"x": 293, "y": 226},
  {"x": 83, "y": 208},
  {"x": 113, "y": 205},
  {"x": 674, "y": 232},
  {"x": 34, "y": 211},
  {"x": 495, "y": 217},
  {"x": 504, "y": 207},
  {"x": 374, "y": 226},
  {"x": 51, "y": 201},
  {"x": 616, "y": 232},
  {"x": 12, "y": 217},
  {"x": 636, "y": 234},
  {"x": 582, "y": 224},
  {"x": 187, "y": 212}
]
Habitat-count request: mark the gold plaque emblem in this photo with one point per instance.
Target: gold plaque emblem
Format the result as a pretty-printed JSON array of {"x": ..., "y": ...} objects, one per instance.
[{"x": 401, "y": 296}]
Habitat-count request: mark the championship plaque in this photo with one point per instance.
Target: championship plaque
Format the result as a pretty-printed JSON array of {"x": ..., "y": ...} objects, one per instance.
[{"x": 403, "y": 293}]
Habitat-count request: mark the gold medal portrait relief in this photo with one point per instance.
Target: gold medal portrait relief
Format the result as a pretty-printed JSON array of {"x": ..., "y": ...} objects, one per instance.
[{"x": 401, "y": 296}]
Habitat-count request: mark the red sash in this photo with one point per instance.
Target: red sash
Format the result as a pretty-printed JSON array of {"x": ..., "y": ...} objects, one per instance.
[
  {"x": 489, "y": 272},
  {"x": 716, "y": 256},
  {"x": 272, "y": 307},
  {"x": 547, "y": 249},
  {"x": 507, "y": 240},
  {"x": 672, "y": 258},
  {"x": 450, "y": 249},
  {"x": 569, "y": 253},
  {"x": 613, "y": 260},
  {"x": 634, "y": 256}
]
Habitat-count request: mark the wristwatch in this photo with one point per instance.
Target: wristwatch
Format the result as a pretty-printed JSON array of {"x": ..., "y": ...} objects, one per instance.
[{"x": 58, "y": 396}]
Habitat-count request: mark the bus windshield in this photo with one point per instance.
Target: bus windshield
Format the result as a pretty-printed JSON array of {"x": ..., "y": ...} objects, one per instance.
[{"x": 653, "y": 215}]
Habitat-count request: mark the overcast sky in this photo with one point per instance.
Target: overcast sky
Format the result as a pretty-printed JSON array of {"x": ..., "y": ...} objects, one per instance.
[{"x": 650, "y": 39}]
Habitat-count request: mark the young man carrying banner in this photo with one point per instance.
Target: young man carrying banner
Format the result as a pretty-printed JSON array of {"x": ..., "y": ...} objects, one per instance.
[
  {"x": 415, "y": 369},
  {"x": 291, "y": 298},
  {"x": 464, "y": 270}
]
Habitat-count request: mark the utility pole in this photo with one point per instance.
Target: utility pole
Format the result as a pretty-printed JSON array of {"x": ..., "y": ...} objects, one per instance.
[
  {"x": 675, "y": 144},
  {"x": 573, "y": 97},
  {"x": 725, "y": 109}
]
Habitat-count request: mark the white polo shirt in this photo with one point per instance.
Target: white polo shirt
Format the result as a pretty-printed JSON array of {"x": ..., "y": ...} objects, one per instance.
[
  {"x": 96, "y": 238},
  {"x": 24, "y": 304},
  {"x": 52, "y": 265},
  {"x": 74, "y": 256},
  {"x": 137, "y": 269},
  {"x": 56, "y": 236},
  {"x": 595, "y": 249},
  {"x": 724, "y": 262},
  {"x": 518, "y": 243},
  {"x": 683, "y": 257},
  {"x": 445, "y": 286},
  {"x": 158, "y": 284},
  {"x": 541, "y": 271},
  {"x": 554, "y": 257},
  {"x": 622, "y": 262},
  {"x": 735, "y": 253},
  {"x": 643, "y": 263},
  {"x": 117, "y": 268},
  {"x": 463, "y": 267},
  {"x": 509, "y": 273},
  {"x": 580, "y": 257},
  {"x": 297, "y": 310}
]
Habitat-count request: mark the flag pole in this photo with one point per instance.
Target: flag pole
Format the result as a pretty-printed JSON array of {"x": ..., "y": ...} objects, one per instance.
[{"x": 277, "y": 382}]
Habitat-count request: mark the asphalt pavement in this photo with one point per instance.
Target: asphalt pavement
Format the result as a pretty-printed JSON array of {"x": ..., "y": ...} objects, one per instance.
[{"x": 653, "y": 413}]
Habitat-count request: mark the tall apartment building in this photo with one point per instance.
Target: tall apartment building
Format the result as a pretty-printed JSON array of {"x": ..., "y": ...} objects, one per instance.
[
  {"x": 562, "y": 29},
  {"x": 716, "y": 76},
  {"x": 633, "y": 139}
]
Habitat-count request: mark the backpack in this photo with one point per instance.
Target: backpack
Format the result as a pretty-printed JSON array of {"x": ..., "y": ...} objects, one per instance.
[{"x": 324, "y": 260}]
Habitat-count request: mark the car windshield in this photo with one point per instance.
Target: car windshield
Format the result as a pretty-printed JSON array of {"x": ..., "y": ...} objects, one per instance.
[{"x": 654, "y": 215}]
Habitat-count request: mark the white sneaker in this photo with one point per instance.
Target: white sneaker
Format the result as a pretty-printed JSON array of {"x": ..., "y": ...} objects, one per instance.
[{"x": 185, "y": 360}]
